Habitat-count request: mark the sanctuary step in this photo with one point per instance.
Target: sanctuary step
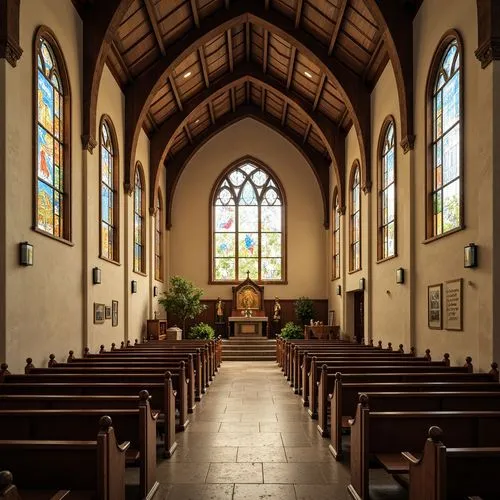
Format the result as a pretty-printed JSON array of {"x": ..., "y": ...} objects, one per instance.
[{"x": 249, "y": 349}]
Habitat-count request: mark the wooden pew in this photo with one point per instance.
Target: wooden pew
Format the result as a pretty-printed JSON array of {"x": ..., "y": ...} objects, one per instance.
[
  {"x": 138, "y": 426},
  {"x": 178, "y": 380},
  {"x": 385, "y": 435},
  {"x": 163, "y": 399},
  {"x": 95, "y": 467},
  {"x": 444, "y": 473}
]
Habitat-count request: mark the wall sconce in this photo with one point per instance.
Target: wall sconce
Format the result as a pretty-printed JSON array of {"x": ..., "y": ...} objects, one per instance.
[
  {"x": 339, "y": 290},
  {"x": 133, "y": 286},
  {"x": 155, "y": 291},
  {"x": 400, "y": 275},
  {"x": 470, "y": 255},
  {"x": 25, "y": 254},
  {"x": 361, "y": 283},
  {"x": 96, "y": 276}
]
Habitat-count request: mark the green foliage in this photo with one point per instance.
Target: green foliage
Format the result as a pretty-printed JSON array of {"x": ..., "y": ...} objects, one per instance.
[
  {"x": 182, "y": 300},
  {"x": 292, "y": 331},
  {"x": 304, "y": 309},
  {"x": 201, "y": 331}
]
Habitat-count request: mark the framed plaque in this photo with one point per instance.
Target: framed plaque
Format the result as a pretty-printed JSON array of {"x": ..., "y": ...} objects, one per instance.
[
  {"x": 434, "y": 307},
  {"x": 453, "y": 304}
]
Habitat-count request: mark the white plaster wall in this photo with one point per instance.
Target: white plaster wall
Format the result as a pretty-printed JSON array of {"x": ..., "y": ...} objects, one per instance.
[{"x": 190, "y": 239}]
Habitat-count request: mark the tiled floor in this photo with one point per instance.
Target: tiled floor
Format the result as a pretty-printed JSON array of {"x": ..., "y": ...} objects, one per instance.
[{"x": 250, "y": 438}]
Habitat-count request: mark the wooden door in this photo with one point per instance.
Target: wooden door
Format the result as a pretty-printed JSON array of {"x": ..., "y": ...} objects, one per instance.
[{"x": 359, "y": 314}]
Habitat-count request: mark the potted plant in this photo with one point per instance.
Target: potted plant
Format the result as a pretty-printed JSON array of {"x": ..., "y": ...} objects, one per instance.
[
  {"x": 304, "y": 309},
  {"x": 182, "y": 300},
  {"x": 292, "y": 331},
  {"x": 201, "y": 331}
]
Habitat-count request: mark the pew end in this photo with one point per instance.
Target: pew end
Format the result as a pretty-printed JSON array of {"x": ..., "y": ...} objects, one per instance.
[
  {"x": 494, "y": 371},
  {"x": 29, "y": 365},
  {"x": 8, "y": 491}
]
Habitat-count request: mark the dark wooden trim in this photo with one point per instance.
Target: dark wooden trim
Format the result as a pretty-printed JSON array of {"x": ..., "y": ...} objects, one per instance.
[
  {"x": 443, "y": 44},
  {"x": 335, "y": 207},
  {"x": 116, "y": 190},
  {"x": 488, "y": 31},
  {"x": 116, "y": 263},
  {"x": 380, "y": 147},
  {"x": 161, "y": 210},
  {"x": 143, "y": 268},
  {"x": 444, "y": 235},
  {"x": 338, "y": 24},
  {"x": 154, "y": 24},
  {"x": 270, "y": 172},
  {"x": 9, "y": 31},
  {"x": 355, "y": 165},
  {"x": 48, "y": 34}
]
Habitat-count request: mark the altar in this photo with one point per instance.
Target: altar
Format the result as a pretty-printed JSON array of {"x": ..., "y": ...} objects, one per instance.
[{"x": 247, "y": 327}]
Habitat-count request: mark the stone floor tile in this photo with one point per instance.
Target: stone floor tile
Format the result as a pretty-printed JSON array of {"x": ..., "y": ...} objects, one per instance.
[
  {"x": 296, "y": 439},
  {"x": 200, "y": 492},
  {"x": 261, "y": 454},
  {"x": 169, "y": 472},
  {"x": 204, "y": 427},
  {"x": 239, "y": 427},
  {"x": 321, "y": 492},
  {"x": 235, "y": 473},
  {"x": 297, "y": 473},
  {"x": 205, "y": 454},
  {"x": 308, "y": 454},
  {"x": 264, "y": 491}
]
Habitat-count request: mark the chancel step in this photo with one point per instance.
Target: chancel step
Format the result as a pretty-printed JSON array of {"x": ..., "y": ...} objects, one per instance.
[{"x": 249, "y": 349}]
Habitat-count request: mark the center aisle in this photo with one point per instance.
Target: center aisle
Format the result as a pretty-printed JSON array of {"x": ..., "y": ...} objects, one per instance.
[{"x": 251, "y": 438}]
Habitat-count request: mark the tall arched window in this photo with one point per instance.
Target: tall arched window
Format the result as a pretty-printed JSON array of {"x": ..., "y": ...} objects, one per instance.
[
  {"x": 387, "y": 192},
  {"x": 52, "y": 209},
  {"x": 355, "y": 216},
  {"x": 109, "y": 192},
  {"x": 159, "y": 238},
  {"x": 248, "y": 220},
  {"x": 444, "y": 183},
  {"x": 139, "y": 221},
  {"x": 336, "y": 237}
]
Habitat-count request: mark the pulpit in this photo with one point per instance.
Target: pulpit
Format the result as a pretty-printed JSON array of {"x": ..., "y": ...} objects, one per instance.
[{"x": 248, "y": 318}]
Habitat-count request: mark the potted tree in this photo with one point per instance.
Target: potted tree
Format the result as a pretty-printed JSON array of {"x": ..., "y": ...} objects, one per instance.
[
  {"x": 182, "y": 300},
  {"x": 304, "y": 310}
]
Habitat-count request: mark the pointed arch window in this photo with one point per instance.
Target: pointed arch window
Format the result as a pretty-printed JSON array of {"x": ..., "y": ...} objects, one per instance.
[
  {"x": 52, "y": 207},
  {"x": 444, "y": 174},
  {"x": 139, "y": 221},
  {"x": 336, "y": 238},
  {"x": 248, "y": 220},
  {"x": 387, "y": 192},
  {"x": 159, "y": 238},
  {"x": 109, "y": 235},
  {"x": 355, "y": 220}
]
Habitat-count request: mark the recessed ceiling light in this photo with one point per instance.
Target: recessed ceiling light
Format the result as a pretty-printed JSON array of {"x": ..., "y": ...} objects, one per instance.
[
  {"x": 187, "y": 74},
  {"x": 197, "y": 121},
  {"x": 308, "y": 74}
]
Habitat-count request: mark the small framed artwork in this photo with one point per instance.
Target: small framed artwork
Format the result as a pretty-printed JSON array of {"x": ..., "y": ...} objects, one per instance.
[
  {"x": 453, "y": 304},
  {"x": 114, "y": 313},
  {"x": 435, "y": 306},
  {"x": 107, "y": 312},
  {"x": 99, "y": 313}
]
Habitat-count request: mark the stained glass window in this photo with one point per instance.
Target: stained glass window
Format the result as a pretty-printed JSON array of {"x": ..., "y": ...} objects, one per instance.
[
  {"x": 139, "y": 229},
  {"x": 387, "y": 196},
  {"x": 355, "y": 239},
  {"x": 159, "y": 239},
  {"x": 336, "y": 238},
  {"x": 52, "y": 179},
  {"x": 109, "y": 194},
  {"x": 248, "y": 221},
  {"x": 446, "y": 141}
]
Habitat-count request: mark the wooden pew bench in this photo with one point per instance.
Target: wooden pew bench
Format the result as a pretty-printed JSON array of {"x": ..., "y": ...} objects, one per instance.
[
  {"x": 48, "y": 470},
  {"x": 162, "y": 399},
  {"x": 404, "y": 396},
  {"x": 138, "y": 426},
  {"x": 383, "y": 436},
  {"x": 444, "y": 473}
]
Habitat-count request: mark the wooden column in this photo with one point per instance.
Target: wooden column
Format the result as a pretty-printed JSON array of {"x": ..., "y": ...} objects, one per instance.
[
  {"x": 488, "y": 31},
  {"x": 9, "y": 31}
]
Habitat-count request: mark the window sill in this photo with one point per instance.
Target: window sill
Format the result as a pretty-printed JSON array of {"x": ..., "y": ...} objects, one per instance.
[
  {"x": 354, "y": 271},
  {"x": 111, "y": 261},
  {"x": 385, "y": 259},
  {"x": 140, "y": 273},
  {"x": 213, "y": 282},
  {"x": 160, "y": 280},
  {"x": 335, "y": 279},
  {"x": 51, "y": 236},
  {"x": 440, "y": 236}
]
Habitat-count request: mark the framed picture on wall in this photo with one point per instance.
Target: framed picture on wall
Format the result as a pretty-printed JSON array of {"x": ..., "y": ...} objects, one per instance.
[
  {"x": 114, "y": 313},
  {"x": 435, "y": 307},
  {"x": 453, "y": 304},
  {"x": 107, "y": 312},
  {"x": 99, "y": 312}
]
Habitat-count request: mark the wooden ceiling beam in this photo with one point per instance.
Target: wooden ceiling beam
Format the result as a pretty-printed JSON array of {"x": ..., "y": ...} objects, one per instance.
[
  {"x": 211, "y": 111},
  {"x": 121, "y": 62},
  {"x": 266, "y": 49},
  {"x": 196, "y": 15},
  {"x": 291, "y": 67},
  {"x": 319, "y": 91},
  {"x": 369, "y": 66},
  {"x": 248, "y": 41},
  {"x": 266, "y": 4},
  {"x": 175, "y": 92},
  {"x": 154, "y": 24},
  {"x": 188, "y": 133},
  {"x": 306, "y": 133},
  {"x": 247, "y": 92},
  {"x": 338, "y": 25},
  {"x": 204, "y": 67},
  {"x": 233, "y": 99},
  {"x": 283, "y": 114},
  {"x": 263, "y": 99},
  {"x": 229, "y": 40},
  {"x": 298, "y": 13},
  {"x": 226, "y": 3}
]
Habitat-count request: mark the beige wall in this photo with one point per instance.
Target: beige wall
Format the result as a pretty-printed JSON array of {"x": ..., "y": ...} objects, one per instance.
[
  {"x": 189, "y": 238},
  {"x": 442, "y": 260}
]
